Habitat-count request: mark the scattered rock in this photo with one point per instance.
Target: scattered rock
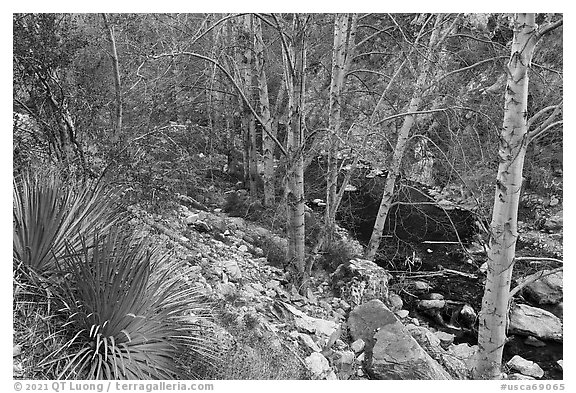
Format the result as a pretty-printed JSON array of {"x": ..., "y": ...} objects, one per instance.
[
  {"x": 359, "y": 281},
  {"x": 318, "y": 365},
  {"x": 16, "y": 350},
  {"x": 555, "y": 222},
  {"x": 315, "y": 325},
  {"x": 395, "y": 302},
  {"x": 366, "y": 318},
  {"x": 546, "y": 290},
  {"x": 232, "y": 270},
  {"x": 532, "y": 321},
  {"x": 344, "y": 362},
  {"x": 525, "y": 367},
  {"x": 534, "y": 342},
  {"x": 420, "y": 286},
  {"x": 243, "y": 248},
  {"x": 432, "y": 345},
  {"x": 435, "y": 296},
  {"x": 445, "y": 338},
  {"x": 391, "y": 351},
  {"x": 561, "y": 363},
  {"x": 554, "y": 201},
  {"x": 358, "y": 345},
  {"x": 464, "y": 352},
  {"x": 402, "y": 314},
  {"x": 431, "y": 304},
  {"x": 519, "y": 377},
  {"x": 307, "y": 340},
  {"x": 468, "y": 316},
  {"x": 396, "y": 355}
]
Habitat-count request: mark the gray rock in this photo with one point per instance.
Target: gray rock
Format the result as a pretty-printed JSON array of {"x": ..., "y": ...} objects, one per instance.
[
  {"x": 396, "y": 355},
  {"x": 431, "y": 304},
  {"x": 395, "y": 302},
  {"x": 358, "y": 345},
  {"x": 391, "y": 351},
  {"x": 519, "y": 377},
  {"x": 464, "y": 352},
  {"x": 318, "y": 365},
  {"x": 420, "y": 286},
  {"x": 430, "y": 342},
  {"x": 315, "y": 325},
  {"x": 561, "y": 363},
  {"x": 364, "y": 320},
  {"x": 445, "y": 338},
  {"x": 532, "y": 321},
  {"x": 546, "y": 290},
  {"x": 525, "y": 367},
  {"x": 359, "y": 281},
  {"x": 468, "y": 316},
  {"x": 534, "y": 342},
  {"x": 344, "y": 362},
  {"x": 402, "y": 313},
  {"x": 435, "y": 296},
  {"x": 306, "y": 340},
  {"x": 233, "y": 270}
]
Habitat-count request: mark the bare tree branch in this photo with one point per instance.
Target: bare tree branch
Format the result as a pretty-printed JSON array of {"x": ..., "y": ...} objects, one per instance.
[
  {"x": 536, "y": 277},
  {"x": 238, "y": 88}
]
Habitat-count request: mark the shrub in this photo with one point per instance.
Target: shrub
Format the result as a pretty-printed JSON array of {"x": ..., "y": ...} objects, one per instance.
[
  {"x": 128, "y": 317},
  {"x": 47, "y": 213}
]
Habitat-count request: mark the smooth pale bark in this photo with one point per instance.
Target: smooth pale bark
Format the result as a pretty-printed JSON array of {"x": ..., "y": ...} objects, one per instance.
[
  {"x": 267, "y": 142},
  {"x": 294, "y": 56},
  {"x": 401, "y": 142},
  {"x": 504, "y": 229},
  {"x": 342, "y": 53},
  {"x": 117, "y": 85}
]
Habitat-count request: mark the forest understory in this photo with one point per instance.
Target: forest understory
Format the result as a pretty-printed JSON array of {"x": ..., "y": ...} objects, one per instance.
[{"x": 288, "y": 196}]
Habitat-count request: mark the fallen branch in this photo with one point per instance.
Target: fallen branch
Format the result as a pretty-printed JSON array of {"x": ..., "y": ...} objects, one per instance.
[{"x": 536, "y": 277}]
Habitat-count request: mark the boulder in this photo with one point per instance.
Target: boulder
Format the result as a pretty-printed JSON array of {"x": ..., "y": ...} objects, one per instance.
[
  {"x": 358, "y": 345},
  {"x": 359, "y": 281},
  {"x": 525, "y": 367},
  {"x": 395, "y": 302},
  {"x": 464, "y": 352},
  {"x": 318, "y": 365},
  {"x": 531, "y": 321},
  {"x": 344, "y": 363},
  {"x": 546, "y": 290},
  {"x": 232, "y": 270},
  {"x": 396, "y": 355},
  {"x": 391, "y": 352},
  {"x": 364, "y": 320},
  {"x": 431, "y": 343}
]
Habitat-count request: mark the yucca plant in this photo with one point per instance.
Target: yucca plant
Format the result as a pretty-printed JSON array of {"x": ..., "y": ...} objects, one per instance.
[
  {"x": 47, "y": 213},
  {"x": 130, "y": 316}
]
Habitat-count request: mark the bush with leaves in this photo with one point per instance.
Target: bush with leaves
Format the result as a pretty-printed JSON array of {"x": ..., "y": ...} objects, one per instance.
[{"x": 129, "y": 317}]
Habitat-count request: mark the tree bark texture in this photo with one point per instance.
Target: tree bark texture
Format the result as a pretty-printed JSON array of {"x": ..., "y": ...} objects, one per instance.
[
  {"x": 117, "y": 85},
  {"x": 294, "y": 55},
  {"x": 267, "y": 142},
  {"x": 401, "y": 143},
  {"x": 342, "y": 52},
  {"x": 504, "y": 228}
]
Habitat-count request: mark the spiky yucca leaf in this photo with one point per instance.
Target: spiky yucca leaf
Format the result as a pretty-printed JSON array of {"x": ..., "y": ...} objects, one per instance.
[
  {"x": 127, "y": 320},
  {"x": 47, "y": 213}
]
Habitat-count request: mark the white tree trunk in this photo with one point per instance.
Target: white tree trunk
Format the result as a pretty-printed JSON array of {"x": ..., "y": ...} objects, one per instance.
[
  {"x": 294, "y": 65},
  {"x": 504, "y": 230},
  {"x": 400, "y": 148},
  {"x": 267, "y": 143},
  {"x": 342, "y": 53}
]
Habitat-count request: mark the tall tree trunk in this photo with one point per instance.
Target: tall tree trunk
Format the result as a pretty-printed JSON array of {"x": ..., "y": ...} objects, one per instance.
[
  {"x": 504, "y": 225},
  {"x": 342, "y": 53},
  {"x": 294, "y": 55},
  {"x": 400, "y": 148},
  {"x": 117, "y": 85},
  {"x": 267, "y": 142}
]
